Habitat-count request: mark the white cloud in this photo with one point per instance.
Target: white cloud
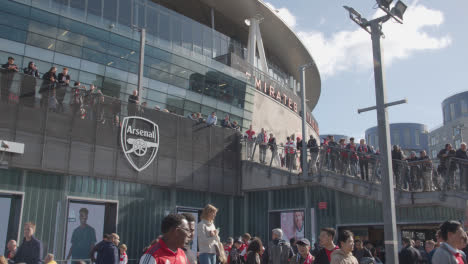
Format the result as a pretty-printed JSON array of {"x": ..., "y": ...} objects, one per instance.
[
  {"x": 284, "y": 14},
  {"x": 351, "y": 50}
]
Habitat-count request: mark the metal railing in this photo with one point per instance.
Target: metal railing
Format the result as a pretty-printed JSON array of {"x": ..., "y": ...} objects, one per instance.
[{"x": 414, "y": 175}]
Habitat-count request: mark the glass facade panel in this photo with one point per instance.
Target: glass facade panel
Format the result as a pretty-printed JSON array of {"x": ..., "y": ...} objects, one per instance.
[
  {"x": 43, "y": 29},
  {"x": 70, "y": 37},
  {"x": 407, "y": 136},
  {"x": 416, "y": 137},
  {"x": 78, "y": 4},
  {"x": 67, "y": 48},
  {"x": 139, "y": 14},
  {"x": 152, "y": 21},
  {"x": 95, "y": 7},
  {"x": 40, "y": 41},
  {"x": 125, "y": 12},
  {"x": 94, "y": 56},
  {"x": 197, "y": 36},
  {"x": 176, "y": 28},
  {"x": 44, "y": 17},
  {"x": 186, "y": 34},
  {"x": 14, "y": 21},
  {"x": 13, "y": 34},
  {"x": 207, "y": 42},
  {"x": 110, "y": 10},
  {"x": 164, "y": 32}
]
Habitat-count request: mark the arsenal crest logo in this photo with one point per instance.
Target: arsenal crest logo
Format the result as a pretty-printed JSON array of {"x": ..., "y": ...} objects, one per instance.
[{"x": 140, "y": 141}]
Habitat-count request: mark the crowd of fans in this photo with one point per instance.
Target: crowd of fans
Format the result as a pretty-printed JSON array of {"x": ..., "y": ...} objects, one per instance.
[
  {"x": 412, "y": 173},
  {"x": 174, "y": 246},
  {"x": 85, "y": 102}
]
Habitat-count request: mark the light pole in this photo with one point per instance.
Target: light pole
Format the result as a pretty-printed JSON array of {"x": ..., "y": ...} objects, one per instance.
[
  {"x": 304, "y": 110},
  {"x": 374, "y": 28}
]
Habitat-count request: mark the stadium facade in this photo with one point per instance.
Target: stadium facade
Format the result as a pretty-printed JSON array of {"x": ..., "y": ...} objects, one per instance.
[{"x": 198, "y": 58}]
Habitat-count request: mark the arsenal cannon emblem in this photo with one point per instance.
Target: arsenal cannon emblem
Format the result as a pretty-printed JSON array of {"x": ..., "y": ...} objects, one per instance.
[{"x": 140, "y": 141}]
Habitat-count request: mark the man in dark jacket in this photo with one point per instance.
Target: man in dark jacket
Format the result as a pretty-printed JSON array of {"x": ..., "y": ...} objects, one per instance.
[
  {"x": 462, "y": 160},
  {"x": 397, "y": 157},
  {"x": 108, "y": 253},
  {"x": 447, "y": 167},
  {"x": 278, "y": 251},
  {"x": 409, "y": 255},
  {"x": 64, "y": 81},
  {"x": 360, "y": 252},
  {"x": 326, "y": 242},
  {"x": 314, "y": 152},
  {"x": 30, "y": 251},
  {"x": 334, "y": 153},
  {"x": 9, "y": 69}
]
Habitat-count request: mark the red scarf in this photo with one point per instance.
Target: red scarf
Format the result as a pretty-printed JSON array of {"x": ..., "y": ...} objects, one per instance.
[
  {"x": 309, "y": 259},
  {"x": 122, "y": 256}
]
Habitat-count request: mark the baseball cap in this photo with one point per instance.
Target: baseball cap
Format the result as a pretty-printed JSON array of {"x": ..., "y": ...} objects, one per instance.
[{"x": 303, "y": 241}]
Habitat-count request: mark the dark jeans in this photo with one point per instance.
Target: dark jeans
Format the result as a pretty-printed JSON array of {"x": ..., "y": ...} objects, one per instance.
[{"x": 364, "y": 167}]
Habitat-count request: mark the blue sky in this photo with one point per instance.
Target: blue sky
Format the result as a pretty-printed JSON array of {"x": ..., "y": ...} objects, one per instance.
[{"x": 425, "y": 59}]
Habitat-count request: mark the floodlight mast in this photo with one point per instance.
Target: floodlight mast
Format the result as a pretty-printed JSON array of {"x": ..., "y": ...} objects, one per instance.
[{"x": 374, "y": 28}]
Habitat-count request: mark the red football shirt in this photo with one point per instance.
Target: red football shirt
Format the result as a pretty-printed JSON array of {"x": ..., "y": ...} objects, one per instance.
[
  {"x": 159, "y": 253},
  {"x": 329, "y": 252}
]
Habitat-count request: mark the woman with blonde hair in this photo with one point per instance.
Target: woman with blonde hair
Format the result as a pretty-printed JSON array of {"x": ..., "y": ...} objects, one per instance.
[{"x": 207, "y": 234}]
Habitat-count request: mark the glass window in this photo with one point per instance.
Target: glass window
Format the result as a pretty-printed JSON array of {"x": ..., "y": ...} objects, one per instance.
[
  {"x": 15, "y": 8},
  {"x": 95, "y": 44},
  {"x": 211, "y": 84},
  {"x": 152, "y": 21},
  {"x": 407, "y": 136},
  {"x": 42, "y": 29},
  {"x": 14, "y": 21},
  {"x": 139, "y": 14},
  {"x": 457, "y": 143},
  {"x": 464, "y": 106},
  {"x": 207, "y": 42},
  {"x": 132, "y": 67},
  {"x": 120, "y": 41},
  {"x": 10, "y": 33},
  {"x": 44, "y": 17},
  {"x": 197, "y": 82},
  {"x": 187, "y": 34},
  {"x": 40, "y": 41},
  {"x": 446, "y": 113},
  {"x": 125, "y": 12},
  {"x": 396, "y": 138},
  {"x": 416, "y": 137},
  {"x": 78, "y": 4},
  {"x": 176, "y": 31},
  {"x": 452, "y": 111},
  {"x": 118, "y": 51},
  {"x": 197, "y": 34},
  {"x": 164, "y": 27},
  {"x": 94, "y": 7},
  {"x": 94, "y": 56},
  {"x": 112, "y": 87},
  {"x": 192, "y": 107},
  {"x": 67, "y": 48},
  {"x": 117, "y": 63},
  {"x": 71, "y": 37},
  {"x": 110, "y": 10}
]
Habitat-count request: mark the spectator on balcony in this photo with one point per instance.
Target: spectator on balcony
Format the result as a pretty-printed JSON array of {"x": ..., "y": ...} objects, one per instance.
[
  {"x": 133, "y": 102},
  {"x": 235, "y": 126},
  {"x": 333, "y": 146},
  {"x": 397, "y": 165},
  {"x": 426, "y": 170},
  {"x": 274, "y": 149},
  {"x": 28, "y": 87},
  {"x": 462, "y": 160},
  {"x": 353, "y": 157},
  {"x": 9, "y": 69},
  {"x": 48, "y": 86},
  {"x": 250, "y": 140},
  {"x": 76, "y": 99},
  {"x": 446, "y": 166},
  {"x": 364, "y": 156},
  {"x": 262, "y": 141},
  {"x": 63, "y": 81},
  {"x": 344, "y": 157},
  {"x": 412, "y": 180},
  {"x": 31, "y": 70},
  {"x": 212, "y": 119},
  {"x": 314, "y": 152},
  {"x": 116, "y": 106},
  {"x": 290, "y": 151},
  {"x": 226, "y": 122},
  {"x": 192, "y": 116}
]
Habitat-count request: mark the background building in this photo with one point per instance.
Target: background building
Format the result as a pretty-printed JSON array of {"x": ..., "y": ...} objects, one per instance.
[
  {"x": 337, "y": 137},
  {"x": 409, "y": 136},
  {"x": 453, "y": 130}
]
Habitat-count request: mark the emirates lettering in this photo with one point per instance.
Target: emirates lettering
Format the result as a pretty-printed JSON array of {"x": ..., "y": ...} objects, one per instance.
[{"x": 140, "y": 132}]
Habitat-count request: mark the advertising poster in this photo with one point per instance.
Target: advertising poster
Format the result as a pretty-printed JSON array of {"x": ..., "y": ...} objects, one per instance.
[
  {"x": 196, "y": 214},
  {"x": 465, "y": 222},
  {"x": 292, "y": 224},
  {"x": 85, "y": 226},
  {"x": 5, "y": 205},
  {"x": 312, "y": 226}
]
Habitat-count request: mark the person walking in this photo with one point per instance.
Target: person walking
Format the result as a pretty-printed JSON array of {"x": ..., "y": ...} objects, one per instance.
[
  {"x": 254, "y": 252},
  {"x": 168, "y": 248},
  {"x": 344, "y": 255},
  {"x": 278, "y": 250},
  {"x": 328, "y": 247},
  {"x": 451, "y": 233},
  {"x": 409, "y": 255},
  {"x": 303, "y": 255},
  {"x": 30, "y": 251},
  {"x": 207, "y": 235},
  {"x": 314, "y": 153}
]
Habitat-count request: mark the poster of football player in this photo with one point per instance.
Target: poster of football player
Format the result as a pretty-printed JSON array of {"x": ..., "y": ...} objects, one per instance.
[
  {"x": 292, "y": 224},
  {"x": 85, "y": 224}
]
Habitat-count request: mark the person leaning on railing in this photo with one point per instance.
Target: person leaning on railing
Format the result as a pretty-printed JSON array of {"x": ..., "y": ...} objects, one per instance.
[
  {"x": 314, "y": 153},
  {"x": 447, "y": 167},
  {"x": 462, "y": 160},
  {"x": 426, "y": 170},
  {"x": 397, "y": 157},
  {"x": 9, "y": 69}
]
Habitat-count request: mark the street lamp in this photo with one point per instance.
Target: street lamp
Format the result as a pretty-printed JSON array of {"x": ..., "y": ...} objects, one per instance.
[
  {"x": 304, "y": 110},
  {"x": 374, "y": 28}
]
